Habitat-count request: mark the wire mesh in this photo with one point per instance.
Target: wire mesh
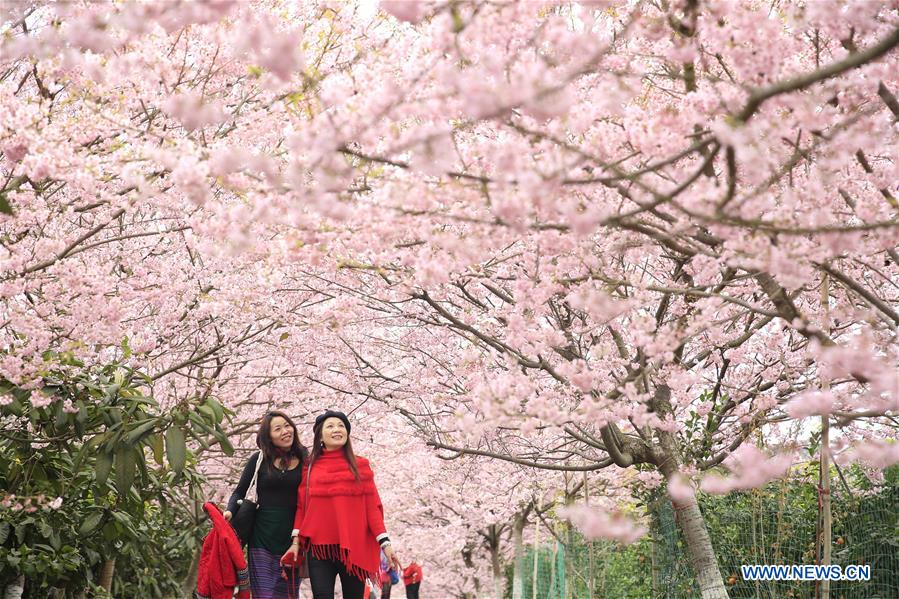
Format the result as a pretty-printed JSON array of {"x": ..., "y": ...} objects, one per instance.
[{"x": 774, "y": 525}]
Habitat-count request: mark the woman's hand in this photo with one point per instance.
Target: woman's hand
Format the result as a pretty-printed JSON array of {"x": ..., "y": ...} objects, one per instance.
[
  {"x": 290, "y": 556},
  {"x": 227, "y": 515},
  {"x": 392, "y": 559}
]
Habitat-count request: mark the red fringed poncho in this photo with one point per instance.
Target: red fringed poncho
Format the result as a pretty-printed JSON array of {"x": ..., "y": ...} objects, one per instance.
[{"x": 343, "y": 517}]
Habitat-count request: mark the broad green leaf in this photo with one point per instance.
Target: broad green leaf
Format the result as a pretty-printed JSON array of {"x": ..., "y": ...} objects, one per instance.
[
  {"x": 82, "y": 414},
  {"x": 60, "y": 417},
  {"x": 92, "y": 556},
  {"x": 176, "y": 448},
  {"x": 55, "y": 541},
  {"x": 143, "y": 427},
  {"x": 158, "y": 448},
  {"x": 218, "y": 409},
  {"x": 14, "y": 407},
  {"x": 201, "y": 439},
  {"x": 21, "y": 529},
  {"x": 90, "y": 523},
  {"x": 200, "y": 423},
  {"x": 124, "y": 469},
  {"x": 103, "y": 466},
  {"x": 85, "y": 450},
  {"x": 5, "y": 206},
  {"x": 207, "y": 411},
  {"x": 226, "y": 446},
  {"x": 4, "y": 531}
]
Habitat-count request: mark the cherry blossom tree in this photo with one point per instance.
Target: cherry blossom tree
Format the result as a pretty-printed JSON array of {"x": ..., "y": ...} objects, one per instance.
[{"x": 564, "y": 236}]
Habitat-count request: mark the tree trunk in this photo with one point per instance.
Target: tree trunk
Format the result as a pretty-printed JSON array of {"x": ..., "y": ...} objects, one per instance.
[
  {"x": 467, "y": 552},
  {"x": 518, "y": 569},
  {"x": 692, "y": 524},
  {"x": 106, "y": 574},
  {"x": 189, "y": 585},
  {"x": 699, "y": 547},
  {"x": 16, "y": 588},
  {"x": 496, "y": 562}
]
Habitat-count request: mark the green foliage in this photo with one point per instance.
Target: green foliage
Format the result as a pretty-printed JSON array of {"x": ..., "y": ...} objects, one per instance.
[
  {"x": 776, "y": 524},
  {"x": 121, "y": 494},
  {"x": 564, "y": 571},
  {"x": 156, "y": 565}
]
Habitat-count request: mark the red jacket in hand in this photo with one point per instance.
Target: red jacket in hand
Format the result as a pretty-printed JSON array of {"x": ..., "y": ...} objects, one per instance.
[
  {"x": 222, "y": 565},
  {"x": 412, "y": 574}
]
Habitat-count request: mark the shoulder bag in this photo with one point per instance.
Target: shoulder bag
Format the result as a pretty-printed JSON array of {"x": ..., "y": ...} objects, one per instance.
[{"x": 245, "y": 516}]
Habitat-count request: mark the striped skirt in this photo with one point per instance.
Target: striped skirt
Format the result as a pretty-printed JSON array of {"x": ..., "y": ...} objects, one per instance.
[{"x": 266, "y": 581}]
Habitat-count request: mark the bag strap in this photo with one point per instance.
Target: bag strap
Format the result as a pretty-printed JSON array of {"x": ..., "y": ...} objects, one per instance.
[
  {"x": 252, "y": 487},
  {"x": 308, "y": 474}
]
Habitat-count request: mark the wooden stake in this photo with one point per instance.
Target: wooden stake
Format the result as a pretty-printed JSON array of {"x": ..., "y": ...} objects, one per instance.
[{"x": 826, "y": 515}]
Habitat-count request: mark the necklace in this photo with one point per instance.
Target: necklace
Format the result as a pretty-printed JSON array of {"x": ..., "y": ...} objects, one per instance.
[{"x": 285, "y": 465}]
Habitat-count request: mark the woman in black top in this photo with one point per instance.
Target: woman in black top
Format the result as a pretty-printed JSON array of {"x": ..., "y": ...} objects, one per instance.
[{"x": 276, "y": 487}]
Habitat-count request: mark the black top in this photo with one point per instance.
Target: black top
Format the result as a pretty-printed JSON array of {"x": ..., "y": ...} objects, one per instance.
[{"x": 274, "y": 487}]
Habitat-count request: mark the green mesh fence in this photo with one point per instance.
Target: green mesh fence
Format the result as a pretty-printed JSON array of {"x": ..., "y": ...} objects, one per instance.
[
  {"x": 777, "y": 524},
  {"x": 547, "y": 578}
]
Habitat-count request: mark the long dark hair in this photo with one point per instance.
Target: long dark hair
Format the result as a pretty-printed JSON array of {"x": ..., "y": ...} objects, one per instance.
[
  {"x": 267, "y": 447},
  {"x": 318, "y": 447}
]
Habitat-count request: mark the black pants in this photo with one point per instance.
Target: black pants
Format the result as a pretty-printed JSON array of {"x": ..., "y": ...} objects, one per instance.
[
  {"x": 412, "y": 590},
  {"x": 385, "y": 590},
  {"x": 323, "y": 575}
]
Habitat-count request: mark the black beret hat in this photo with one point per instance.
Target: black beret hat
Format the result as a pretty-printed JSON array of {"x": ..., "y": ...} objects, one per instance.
[{"x": 332, "y": 414}]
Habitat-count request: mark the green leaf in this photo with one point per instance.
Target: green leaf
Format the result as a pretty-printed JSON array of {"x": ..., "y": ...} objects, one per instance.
[
  {"x": 123, "y": 518},
  {"x": 176, "y": 448},
  {"x": 14, "y": 407},
  {"x": 199, "y": 438},
  {"x": 218, "y": 409},
  {"x": 124, "y": 469},
  {"x": 143, "y": 427},
  {"x": 84, "y": 450},
  {"x": 21, "y": 529},
  {"x": 92, "y": 556},
  {"x": 55, "y": 541},
  {"x": 103, "y": 467},
  {"x": 200, "y": 423},
  {"x": 90, "y": 523},
  {"x": 81, "y": 416},
  {"x": 158, "y": 448},
  {"x": 60, "y": 416},
  {"x": 207, "y": 411},
  {"x": 226, "y": 446},
  {"x": 4, "y": 532},
  {"x": 283, "y": 336},
  {"x": 5, "y": 207}
]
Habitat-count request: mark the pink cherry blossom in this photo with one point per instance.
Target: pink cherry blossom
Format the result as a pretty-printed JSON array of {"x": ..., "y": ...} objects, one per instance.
[
  {"x": 411, "y": 11},
  {"x": 750, "y": 467},
  {"x": 818, "y": 402},
  {"x": 680, "y": 488},
  {"x": 876, "y": 453},
  {"x": 511, "y": 228},
  {"x": 599, "y": 523}
]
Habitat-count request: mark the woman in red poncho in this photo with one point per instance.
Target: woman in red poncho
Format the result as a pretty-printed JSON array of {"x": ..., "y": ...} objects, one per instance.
[{"x": 339, "y": 521}]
